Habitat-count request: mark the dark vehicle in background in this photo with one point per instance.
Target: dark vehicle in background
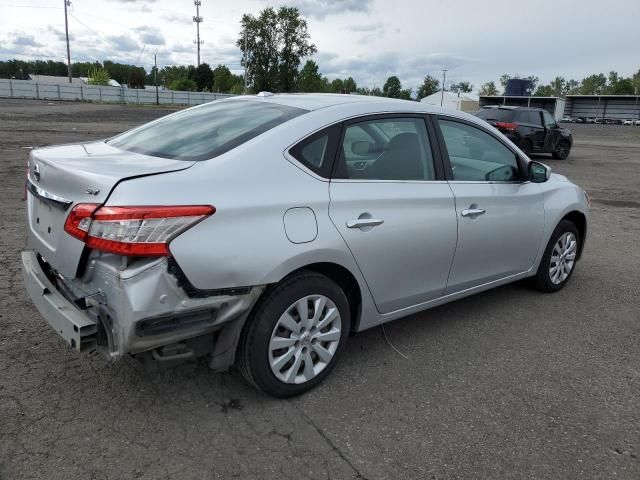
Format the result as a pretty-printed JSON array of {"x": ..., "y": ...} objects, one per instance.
[{"x": 534, "y": 130}]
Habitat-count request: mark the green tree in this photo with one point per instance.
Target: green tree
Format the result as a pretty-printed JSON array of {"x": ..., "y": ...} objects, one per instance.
[
  {"x": 275, "y": 44},
  {"x": 349, "y": 85},
  {"x": 310, "y": 79},
  {"x": 624, "y": 86},
  {"x": 636, "y": 82},
  {"x": 98, "y": 76},
  {"x": 295, "y": 43},
  {"x": 489, "y": 89},
  {"x": 203, "y": 76},
  {"x": 462, "y": 87},
  {"x": 405, "y": 94},
  {"x": 593, "y": 84},
  {"x": 183, "y": 84},
  {"x": 571, "y": 87},
  {"x": 223, "y": 79},
  {"x": 429, "y": 86},
  {"x": 376, "y": 92},
  {"x": 136, "y": 77},
  {"x": 392, "y": 87},
  {"x": 545, "y": 91},
  {"x": 504, "y": 79}
]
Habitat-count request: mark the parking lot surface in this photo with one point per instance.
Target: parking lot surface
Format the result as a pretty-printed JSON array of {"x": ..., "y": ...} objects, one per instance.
[{"x": 510, "y": 383}]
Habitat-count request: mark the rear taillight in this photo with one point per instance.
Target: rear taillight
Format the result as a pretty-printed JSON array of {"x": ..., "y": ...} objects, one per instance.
[
  {"x": 133, "y": 231},
  {"x": 506, "y": 126}
]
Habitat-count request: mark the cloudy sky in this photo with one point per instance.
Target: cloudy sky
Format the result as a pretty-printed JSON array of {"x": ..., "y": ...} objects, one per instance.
[{"x": 367, "y": 39}]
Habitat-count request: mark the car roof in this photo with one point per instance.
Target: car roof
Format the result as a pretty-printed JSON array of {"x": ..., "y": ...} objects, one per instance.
[
  {"x": 316, "y": 101},
  {"x": 509, "y": 107},
  {"x": 338, "y": 107}
]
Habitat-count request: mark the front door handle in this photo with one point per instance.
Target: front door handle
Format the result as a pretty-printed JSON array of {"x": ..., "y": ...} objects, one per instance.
[
  {"x": 364, "y": 222},
  {"x": 471, "y": 212}
]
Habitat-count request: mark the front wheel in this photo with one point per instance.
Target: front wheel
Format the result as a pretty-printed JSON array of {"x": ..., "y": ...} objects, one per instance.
[
  {"x": 294, "y": 337},
  {"x": 562, "y": 150},
  {"x": 560, "y": 257}
]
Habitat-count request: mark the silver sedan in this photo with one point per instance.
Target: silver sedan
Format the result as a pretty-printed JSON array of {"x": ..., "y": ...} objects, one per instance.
[{"x": 263, "y": 230}]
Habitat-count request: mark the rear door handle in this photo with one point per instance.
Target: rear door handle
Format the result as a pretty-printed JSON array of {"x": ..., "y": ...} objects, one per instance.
[
  {"x": 364, "y": 222},
  {"x": 470, "y": 212}
]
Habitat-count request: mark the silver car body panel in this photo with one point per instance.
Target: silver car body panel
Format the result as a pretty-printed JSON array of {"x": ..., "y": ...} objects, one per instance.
[{"x": 274, "y": 216}]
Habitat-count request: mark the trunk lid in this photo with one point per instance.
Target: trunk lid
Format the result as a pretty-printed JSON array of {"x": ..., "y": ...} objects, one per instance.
[{"x": 62, "y": 176}]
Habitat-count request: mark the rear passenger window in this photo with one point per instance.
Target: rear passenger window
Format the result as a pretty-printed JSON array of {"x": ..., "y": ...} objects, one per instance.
[
  {"x": 534, "y": 118},
  {"x": 317, "y": 151},
  {"x": 476, "y": 156}
]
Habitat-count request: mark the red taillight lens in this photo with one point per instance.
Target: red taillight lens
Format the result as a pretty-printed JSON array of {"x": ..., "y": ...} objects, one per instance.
[
  {"x": 506, "y": 126},
  {"x": 134, "y": 231}
]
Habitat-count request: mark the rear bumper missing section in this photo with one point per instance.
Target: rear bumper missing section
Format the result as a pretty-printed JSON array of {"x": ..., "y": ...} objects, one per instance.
[
  {"x": 132, "y": 310},
  {"x": 77, "y": 329}
]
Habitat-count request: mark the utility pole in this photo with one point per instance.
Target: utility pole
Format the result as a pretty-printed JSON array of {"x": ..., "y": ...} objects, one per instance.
[
  {"x": 444, "y": 78},
  {"x": 155, "y": 77},
  {"x": 198, "y": 20},
  {"x": 245, "y": 60},
  {"x": 66, "y": 29}
]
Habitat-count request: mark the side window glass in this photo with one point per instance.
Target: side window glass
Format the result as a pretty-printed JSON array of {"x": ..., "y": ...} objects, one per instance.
[
  {"x": 549, "y": 121},
  {"x": 476, "y": 156},
  {"x": 386, "y": 149},
  {"x": 535, "y": 118},
  {"x": 316, "y": 152}
]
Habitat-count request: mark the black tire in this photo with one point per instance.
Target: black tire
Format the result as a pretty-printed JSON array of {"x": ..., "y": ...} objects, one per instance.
[
  {"x": 542, "y": 281},
  {"x": 526, "y": 146},
  {"x": 563, "y": 148},
  {"x": 253, "y": 349}
]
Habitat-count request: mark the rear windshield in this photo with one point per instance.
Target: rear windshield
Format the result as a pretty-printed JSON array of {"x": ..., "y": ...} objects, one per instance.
[
  {"x": 496, "y": 114},
  {"x": 205, "y": 131}
]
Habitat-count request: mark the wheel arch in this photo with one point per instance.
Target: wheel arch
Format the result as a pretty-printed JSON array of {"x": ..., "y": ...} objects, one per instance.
[
  {"x": 345, "y": 280},
  {"x": 580, "y": 221}
]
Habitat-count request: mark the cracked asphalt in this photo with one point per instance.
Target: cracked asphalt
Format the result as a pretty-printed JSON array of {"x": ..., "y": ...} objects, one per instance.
[{"x": 506, "y": 384}]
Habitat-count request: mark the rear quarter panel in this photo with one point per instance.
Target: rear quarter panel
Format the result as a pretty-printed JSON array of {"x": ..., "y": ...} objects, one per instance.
[{"x": 244, "y": 243}]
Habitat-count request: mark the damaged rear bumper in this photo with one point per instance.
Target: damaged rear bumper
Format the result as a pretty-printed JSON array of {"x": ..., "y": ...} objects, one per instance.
[{"x": 120, "y": 309}]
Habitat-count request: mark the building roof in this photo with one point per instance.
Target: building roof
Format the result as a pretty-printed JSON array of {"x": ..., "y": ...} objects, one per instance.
[{"x": 605, "y": 96}]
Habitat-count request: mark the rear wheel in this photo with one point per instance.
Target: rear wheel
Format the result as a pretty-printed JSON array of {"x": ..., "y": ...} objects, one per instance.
[
  {"x": 294, "y": 337},
  {"x": 562, "y": 150},
  {"x": 560, "y": 257}
]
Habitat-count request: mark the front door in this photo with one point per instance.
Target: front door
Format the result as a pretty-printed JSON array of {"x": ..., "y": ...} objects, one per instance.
[
  {"x": 395, "y": 214},
  {"x": 500, "y": 215}
]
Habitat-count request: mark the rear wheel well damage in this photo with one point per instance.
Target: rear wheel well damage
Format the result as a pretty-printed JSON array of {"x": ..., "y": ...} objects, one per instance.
[
  {"x": 224, "y": 350},
  {"x": 580, "y": 221}
]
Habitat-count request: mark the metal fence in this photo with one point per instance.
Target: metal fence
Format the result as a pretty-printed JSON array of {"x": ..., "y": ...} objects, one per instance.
[{"x": 50, "y": 91}]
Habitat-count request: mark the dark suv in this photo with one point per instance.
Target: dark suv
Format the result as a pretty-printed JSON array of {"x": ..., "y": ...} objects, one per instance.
[{"x": 534, "y": 130}]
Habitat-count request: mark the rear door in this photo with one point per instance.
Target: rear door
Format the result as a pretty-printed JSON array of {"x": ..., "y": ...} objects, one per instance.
[
  {"x": 552, "y": 132},
  {"x": 500, "y": 215},
  {"x": 537, "y": 129},
  {"x": 391, "y": 204}
]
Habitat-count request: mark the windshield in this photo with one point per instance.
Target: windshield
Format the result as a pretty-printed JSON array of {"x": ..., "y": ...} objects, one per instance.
[
  {"x": 205, "y": 131},
  {"x": 496, "y": 114}
]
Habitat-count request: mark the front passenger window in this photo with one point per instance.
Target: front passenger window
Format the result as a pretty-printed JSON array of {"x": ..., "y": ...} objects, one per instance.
[
  {"x": 386, "y": 149},
  {"x": 476, "y": 156}
]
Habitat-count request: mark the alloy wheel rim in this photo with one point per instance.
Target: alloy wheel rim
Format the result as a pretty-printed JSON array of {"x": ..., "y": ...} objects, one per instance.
[
  {"x": 304, "y": 339},
  {"x": 563, "y": 258}
]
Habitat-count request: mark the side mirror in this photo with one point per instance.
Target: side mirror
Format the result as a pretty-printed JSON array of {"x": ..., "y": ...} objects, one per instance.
[
  {"x": 539, "y": 172},
  {"x": 361, "y": 148}
]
